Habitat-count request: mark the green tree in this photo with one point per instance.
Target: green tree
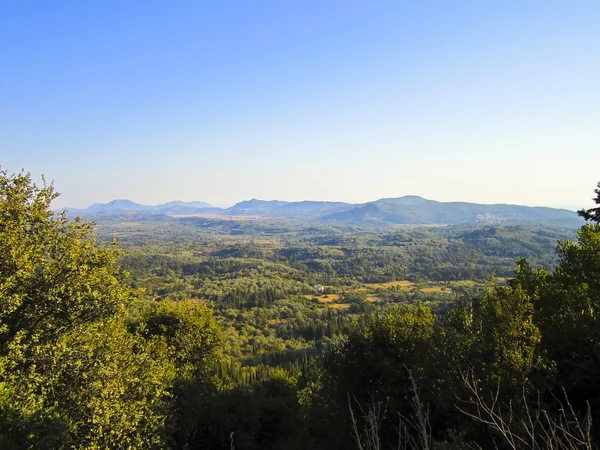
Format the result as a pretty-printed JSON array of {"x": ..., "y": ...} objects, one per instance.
[
  {"x": 191, "y": 332},
  {"x": 506, "y": 336},
  {"x": 592, "y": 214},
  {"x": 374, "y": 364},
  {"x": 567, "y": 312},
  {"x": 71, "y": 375},
  {"x": 54, "y": 276},
  {"x": 193, "y": 339}
]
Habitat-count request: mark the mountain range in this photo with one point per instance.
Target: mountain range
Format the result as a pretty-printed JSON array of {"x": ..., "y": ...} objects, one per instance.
[
  {"x": 120, "y": 207},
  {"x": 409, "y": 209}
]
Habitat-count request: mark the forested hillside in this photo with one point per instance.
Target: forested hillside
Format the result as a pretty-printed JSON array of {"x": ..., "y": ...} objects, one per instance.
[{"x": 231, "y": 333}]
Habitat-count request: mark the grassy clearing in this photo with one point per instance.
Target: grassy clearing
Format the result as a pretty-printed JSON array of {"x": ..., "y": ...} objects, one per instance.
[
  {"x": 339, "y": 305},
  {"x": 332, "y": 300},
  {"x": 465, "y": 283},
  {"x": 327, "y": 298},
  {"x": 432, "y": 289},
  {"x": 403, "y": 283}
]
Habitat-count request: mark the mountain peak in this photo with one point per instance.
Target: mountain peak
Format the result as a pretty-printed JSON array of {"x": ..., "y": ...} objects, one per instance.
[
  {"x": 118, "y": 204},
  {"x": 124, "y": 206}
]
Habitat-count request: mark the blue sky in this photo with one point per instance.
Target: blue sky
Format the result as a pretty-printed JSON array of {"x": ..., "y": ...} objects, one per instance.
[{"x": 483, "y": 101}]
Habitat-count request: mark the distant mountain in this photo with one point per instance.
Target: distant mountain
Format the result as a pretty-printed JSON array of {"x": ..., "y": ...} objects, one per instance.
[
  {"x": 255, "y": 207},
  {"x": 274, "y": 208},
  {"x": 358, "y": 214},
  {"x": 417, "y": 210},
  {"x": 186, "y": 210},
  {"x": 179, "y": 208},
  {"x": 116, "y": 206},
  {"x": 121, "y": 207},
  {"x": 410, "y": 209},
  {"x": 179, "y": 204},
  {"x": 312, "y": 208}
]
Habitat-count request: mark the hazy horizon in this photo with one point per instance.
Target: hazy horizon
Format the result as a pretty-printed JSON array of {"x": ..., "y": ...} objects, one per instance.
[
  {"x": 482, "y": 102},
  {"x": 228, "y": 205}
]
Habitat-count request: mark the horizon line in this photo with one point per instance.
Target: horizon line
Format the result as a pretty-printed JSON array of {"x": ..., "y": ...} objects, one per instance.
[{"x": 230, "y": 205}]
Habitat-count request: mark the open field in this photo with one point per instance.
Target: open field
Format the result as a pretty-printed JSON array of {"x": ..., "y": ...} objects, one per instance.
[
  {"x": 339, "y": 305},
  {"x": 327, "y": 298},
  {"x": 432, "y": 289},
  {"x": 389, "y": 284},
  {"x": 333, "y": 300}
]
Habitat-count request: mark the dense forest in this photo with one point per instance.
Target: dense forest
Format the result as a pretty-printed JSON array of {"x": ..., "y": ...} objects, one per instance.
[{"x": 200, "y": 333}]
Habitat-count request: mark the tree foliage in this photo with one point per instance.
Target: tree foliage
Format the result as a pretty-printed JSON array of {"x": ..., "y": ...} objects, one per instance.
[
  {"x": 53, "y": 275},
  {"x": 72, "y": 374},
  {"x": 592, "y": 214}
]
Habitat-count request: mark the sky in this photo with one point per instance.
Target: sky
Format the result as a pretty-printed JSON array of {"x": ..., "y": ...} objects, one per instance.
[{"x": 222, "y": 101}]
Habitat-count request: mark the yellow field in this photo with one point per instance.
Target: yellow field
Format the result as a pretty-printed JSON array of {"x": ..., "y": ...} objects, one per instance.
[
  {"x": 216, "y": 216},
  {"x": 432, "y": 289},
  {"x": 339, "y": 305},
  {"x": 323, "y": 298},
  {"x": 464, "y": 283},
  {"x": 331, "y": 300},
  {"x": 389, "y": 284},
  {"x": 431, "y": 286}
]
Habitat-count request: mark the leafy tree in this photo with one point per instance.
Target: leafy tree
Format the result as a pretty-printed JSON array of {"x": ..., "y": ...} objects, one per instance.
[
  {"x": 592, "y": 214},
  {"x": 506, "y": 336},
  {"x": 53, "y": 275},
  {"x": 373, "y": 365},
  {"x": 568, "y": 314},
  {"x": 71, "y": 374},
  {"x": 262, "y": 415},
  {"x": 191, "y": 332},
  {"x": 193, "y": 343}
]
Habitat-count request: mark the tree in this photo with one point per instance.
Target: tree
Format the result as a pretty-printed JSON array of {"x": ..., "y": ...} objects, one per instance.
[
  {"x": 191, "y": 332},
  {"x": 193, "y": 340},
  {"x": 54, "y": 277},
  {"x": 592, "y": 214},
  {"x": 71, "y": 375},
  {"x": 506, "y": 336},
  {"x": 375, "y": 366}
]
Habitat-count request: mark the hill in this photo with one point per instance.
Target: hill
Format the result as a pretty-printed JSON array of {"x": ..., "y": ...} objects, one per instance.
[
  {"x": 305, "y": 209},
  {"x": 121, "y": 207},
  {"x": 409, "y": 209},
  {"x": 417, "y": 210},
  {"x": 255, "y": 207}
]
